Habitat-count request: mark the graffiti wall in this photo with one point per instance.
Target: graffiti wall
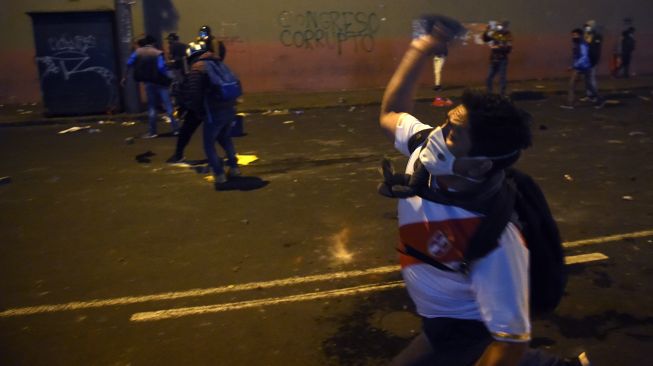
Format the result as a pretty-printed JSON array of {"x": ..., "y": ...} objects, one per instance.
[
  {"x": 76, "y": 62},
  {"x": 319, "y": 45}
]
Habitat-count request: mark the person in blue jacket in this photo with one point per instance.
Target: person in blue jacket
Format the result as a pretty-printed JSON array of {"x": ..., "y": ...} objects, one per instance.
[{"x": 581, "y": 66}]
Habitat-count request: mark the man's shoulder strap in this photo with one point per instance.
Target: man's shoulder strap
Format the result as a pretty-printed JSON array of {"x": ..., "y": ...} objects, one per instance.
[{"x": 418, "y": 139}]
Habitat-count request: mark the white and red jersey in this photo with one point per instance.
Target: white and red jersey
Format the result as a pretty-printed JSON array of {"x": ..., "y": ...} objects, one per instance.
[{"x": 496, "y": 289}]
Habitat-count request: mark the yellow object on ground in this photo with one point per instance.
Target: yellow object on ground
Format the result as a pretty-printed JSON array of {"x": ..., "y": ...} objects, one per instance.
[{"x": 246, "y": 159}]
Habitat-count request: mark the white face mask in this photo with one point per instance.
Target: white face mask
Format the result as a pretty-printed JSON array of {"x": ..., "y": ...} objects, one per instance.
[{"x": 438, "y": 160}]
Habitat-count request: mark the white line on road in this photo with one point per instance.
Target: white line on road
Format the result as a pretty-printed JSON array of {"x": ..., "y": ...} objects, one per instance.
[
  {"x": 607, "y": 239},
  {"x": 196, "y": 310},
  {"x": 208, "y": 309},
  {"x": 583, "y": 258},
  {"x": 79, "y": 305}
]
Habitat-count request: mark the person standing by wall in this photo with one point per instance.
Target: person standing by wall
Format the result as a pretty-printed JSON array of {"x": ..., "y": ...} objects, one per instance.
[
  {"x": 499, "y": 38},
  {"x": 216, "y": 47},
  {"x": 594, "y": 41},
  {"x": 626, "y": 50},
  {"x": 149, "y": 67},
  {"x": 177, "y": 56},
  {"x": 438, "y": 63},
  {"x": 581, "y": 66}
]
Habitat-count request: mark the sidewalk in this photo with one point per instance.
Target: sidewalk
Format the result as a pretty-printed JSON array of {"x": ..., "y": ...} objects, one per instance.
[{"x": 31, "y": 114}]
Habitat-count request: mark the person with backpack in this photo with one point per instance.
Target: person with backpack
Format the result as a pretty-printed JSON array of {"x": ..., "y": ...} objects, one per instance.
[
  {"x": 149, "y": 67},
  {"x": 594, "y": 41},
  {"x": 581, "y": 66},
  {"x": 210, "y": 94},
  {"x": 463, "y": 256}
]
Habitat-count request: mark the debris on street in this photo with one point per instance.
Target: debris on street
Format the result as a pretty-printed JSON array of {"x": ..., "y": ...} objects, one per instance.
[{"x": 74, "y": 129}]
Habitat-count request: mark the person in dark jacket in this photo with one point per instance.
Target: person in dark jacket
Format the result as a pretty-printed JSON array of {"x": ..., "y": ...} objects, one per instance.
[
  {"x": 149, "y": 67},
  {"x": 500, "y": 40},
  {"x": 203, "y": 104},
  {"x": 581, "y": 66},
  {"x": 176, "y": 56},
  {"x": 627, "y": 46}
]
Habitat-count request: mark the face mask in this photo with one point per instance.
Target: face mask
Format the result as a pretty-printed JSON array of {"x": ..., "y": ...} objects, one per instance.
[{"x": 438, "y": 160}]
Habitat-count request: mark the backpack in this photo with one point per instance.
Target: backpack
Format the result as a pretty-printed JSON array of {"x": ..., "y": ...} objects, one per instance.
[
  {"x": 224, "y": 81},
  {"x": 595, "y": 49},
  {"x": 521, "y": 195}
]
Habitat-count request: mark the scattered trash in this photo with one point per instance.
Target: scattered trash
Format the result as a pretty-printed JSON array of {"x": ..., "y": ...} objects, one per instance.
[
  {"x": 74, "y": 129},
  {"x": 442, "y": 102},
  {"x": 342, "y": 100},
  {"x": 628, "y": 198},
  {"x": 129, "y": 140},
  {"x": 636, "y": 133},
  {"x": 5, "y": 180},
  {"x": 352, "y": 108},
  {"x": 615, "y": 142},
  {"x": 33, "y": 104},
  {"x": 235, "y": 269},
  {"x": 540, "y": 87},
  {"x": 130, "y": 123},
  {"x": 299, "y": 111},
  {"x": 569, "y": 178},
  {"x": 246, "y": 159},
  {"x": 106, "y": 123},
  {"x": 209, "y": 178},
  {"x": 612, "y": 102},
  {"x": 26, "y": 112},
  {"x": 166, "y": 119},
  {"x": 288, "y": 122},
  {"x": 276, "y": 112},
  {"x": 94, "y": 130},
  {"x": 244, "y": 221},
  {"x": 644, "y": 98}
]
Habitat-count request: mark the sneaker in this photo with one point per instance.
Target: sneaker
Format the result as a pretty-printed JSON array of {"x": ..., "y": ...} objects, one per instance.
[
  {"x": 219, "y": 179},
  {"x": 235, "y": 172},
  {"x": 566, "y": 106},
  {"x": 600, "y": 104},
  {"x": 175, "y": 160},
  {"x": 150, "y": 136},
  {"x": 588, "y": 99}
]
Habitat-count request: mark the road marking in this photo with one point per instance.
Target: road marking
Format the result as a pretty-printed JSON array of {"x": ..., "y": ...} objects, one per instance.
[
  {"x": 583, "y": 258},
  {"x": 79, "y": 305},
  {"x": 606, "y": 239},
  {"x": 219, "y": 308},
  {"x": 196, "y": 310}
]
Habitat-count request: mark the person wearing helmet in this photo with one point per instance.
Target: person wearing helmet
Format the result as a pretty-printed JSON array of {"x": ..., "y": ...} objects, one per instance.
[
  {"x": 216, "y": 115},
  {"x": 212, "y": 44}
]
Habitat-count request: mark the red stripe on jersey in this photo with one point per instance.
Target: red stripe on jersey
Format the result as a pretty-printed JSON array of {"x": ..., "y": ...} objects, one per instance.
[{"x": 444, "y": 241}]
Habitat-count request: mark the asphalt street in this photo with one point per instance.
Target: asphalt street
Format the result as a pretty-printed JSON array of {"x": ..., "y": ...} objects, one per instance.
[{"x": 109, "y": 256}]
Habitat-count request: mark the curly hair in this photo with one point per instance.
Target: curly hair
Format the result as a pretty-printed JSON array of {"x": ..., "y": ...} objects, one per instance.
[{"x": 497, "y": 127}]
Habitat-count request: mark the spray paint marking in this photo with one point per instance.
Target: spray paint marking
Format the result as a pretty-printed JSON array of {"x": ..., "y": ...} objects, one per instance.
[{"x": 79, "y": 305}]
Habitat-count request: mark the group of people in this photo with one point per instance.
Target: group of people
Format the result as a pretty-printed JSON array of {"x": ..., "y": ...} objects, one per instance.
[
  {"x": 499, "y": 38},
  {"x": 586, "y": 54},
  {"x": 182, "y": 76},
  {"x": 474, "y": 312}
]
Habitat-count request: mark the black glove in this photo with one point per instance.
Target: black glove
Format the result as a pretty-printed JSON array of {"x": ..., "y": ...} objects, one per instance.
[{"x": 399, "y": 185}]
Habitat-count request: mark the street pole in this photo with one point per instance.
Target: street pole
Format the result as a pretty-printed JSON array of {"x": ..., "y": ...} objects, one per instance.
[{"x": 125, "y": 30}]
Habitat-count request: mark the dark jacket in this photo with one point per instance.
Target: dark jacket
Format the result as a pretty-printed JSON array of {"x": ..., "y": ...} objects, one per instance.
[
  {"x": 627, "y": 43},
  {"x": 149, "y": 65},
  {"x": 595, "y": 42},
  {"x": 177, "y": 54},
  {"x": 198, "y": 89},
  {"x": 501, "y": 42}
]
